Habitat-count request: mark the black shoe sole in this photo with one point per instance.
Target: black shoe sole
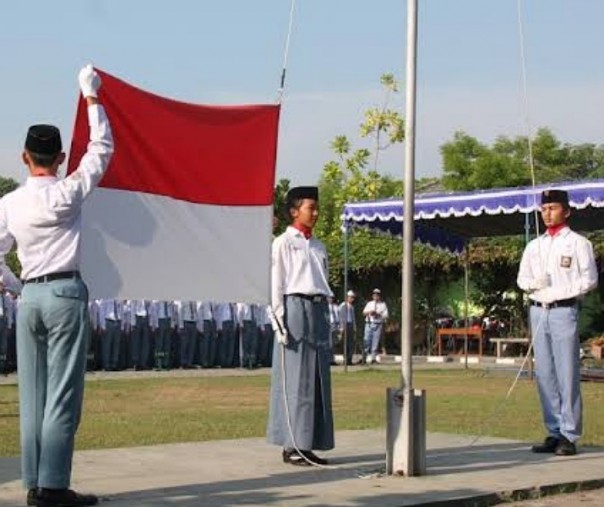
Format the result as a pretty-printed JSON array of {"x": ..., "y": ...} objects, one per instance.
[{"x": 543, "y": 451}]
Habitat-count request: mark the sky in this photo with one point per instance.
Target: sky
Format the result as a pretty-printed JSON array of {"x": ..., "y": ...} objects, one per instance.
[{"x": 232, "y": 52}]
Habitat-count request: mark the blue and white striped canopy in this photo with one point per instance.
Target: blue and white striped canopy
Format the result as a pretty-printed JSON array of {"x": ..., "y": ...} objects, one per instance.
[{"x": 448, "y": 220}]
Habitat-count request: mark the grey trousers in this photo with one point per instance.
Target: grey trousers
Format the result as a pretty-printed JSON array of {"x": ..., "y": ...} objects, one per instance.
[
  {"x": 556, "y": 342},
  {"x": 52, "y": 335}
]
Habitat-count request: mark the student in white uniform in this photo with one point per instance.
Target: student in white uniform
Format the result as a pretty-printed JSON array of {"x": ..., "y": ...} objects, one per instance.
[
  {"x": 163, "y": 321},
  {"x": 348, "y": 326},
  {"x": 111, "y": 316},
  {"x": 302, "y": 355},
  {"x": 557, "y": 269},
  {"x": 248, "y": 341},
  {"x": 188, "y": 327},
  {"x": 7, "y": 305},
  {"x": 43, "y": 218},
  {"x": 225, "y": 315},
  {"x": 92, "y": 355},
  {"x": 140, "y": 336}
]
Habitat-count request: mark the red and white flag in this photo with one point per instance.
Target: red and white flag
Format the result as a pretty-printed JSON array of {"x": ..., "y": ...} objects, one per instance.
[{"x": 184, "y": 209}]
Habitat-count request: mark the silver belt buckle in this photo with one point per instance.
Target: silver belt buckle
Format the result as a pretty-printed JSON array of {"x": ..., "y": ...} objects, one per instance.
[
  {"x": 317, "y": 299},
  {"x": 546, "y": 306}
]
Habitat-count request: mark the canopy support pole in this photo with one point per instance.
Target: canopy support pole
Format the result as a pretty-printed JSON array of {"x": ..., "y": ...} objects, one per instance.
[
  {"x": 345, "y": 299},
  {"x": 466, "y": 289}
]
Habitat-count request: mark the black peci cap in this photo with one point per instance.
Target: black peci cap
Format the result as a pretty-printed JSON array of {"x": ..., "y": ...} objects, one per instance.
[
  {"x": 301, "y": 193},
  {"x": 558, "y": 196},
  {"x": 43, "y": 140}
]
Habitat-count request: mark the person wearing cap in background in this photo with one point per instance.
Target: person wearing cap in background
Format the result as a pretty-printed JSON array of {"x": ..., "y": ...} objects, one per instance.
[
  {"x": 53, "y": 328},
  {"x": 557, "y": 269},
  {"x": 300, "y": 414},
  {"x": 348, "y": 325},
  {"x": 375, "y": 313}
]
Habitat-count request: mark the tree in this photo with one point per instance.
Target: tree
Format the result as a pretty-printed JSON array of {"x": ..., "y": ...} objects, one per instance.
[
  {"x": 345, "y": 178},
  {"x": 354, "y": 175},
  {"x": 7, "y": 185},
  {"x": 470, "y": 165},
  {"x": 383, "y": 121},
  {"x": 279, "y": 212}
]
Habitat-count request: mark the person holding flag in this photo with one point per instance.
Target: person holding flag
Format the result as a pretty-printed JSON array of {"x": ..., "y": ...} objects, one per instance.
[{"x": 43, "y": 217}]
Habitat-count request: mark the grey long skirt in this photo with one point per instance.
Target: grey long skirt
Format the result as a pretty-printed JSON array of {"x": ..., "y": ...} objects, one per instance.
[{"x": 304, "y": 364}]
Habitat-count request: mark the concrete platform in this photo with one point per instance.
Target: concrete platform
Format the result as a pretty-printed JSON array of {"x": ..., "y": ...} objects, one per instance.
[{"x": 250, "y": 472}]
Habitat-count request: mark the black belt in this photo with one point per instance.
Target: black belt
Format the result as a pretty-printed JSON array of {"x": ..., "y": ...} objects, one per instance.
[
  {"x": 315, "y": 298},
  {"x": 63, "y": 275},
  {"x": 555, "y": 304}
]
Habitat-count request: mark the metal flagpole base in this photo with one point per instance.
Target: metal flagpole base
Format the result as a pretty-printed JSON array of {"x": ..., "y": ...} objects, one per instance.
[{"x": 405, "y": 432}]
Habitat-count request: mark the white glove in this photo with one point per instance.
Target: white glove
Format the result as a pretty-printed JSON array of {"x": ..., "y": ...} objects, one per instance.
[
  {"x": 540, "y": 283},
  {"x": 90, "y": 81},
  {"x": 281, "y": 337}
]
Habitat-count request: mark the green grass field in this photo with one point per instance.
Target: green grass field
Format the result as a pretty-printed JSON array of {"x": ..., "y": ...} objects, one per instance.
[{"x": 133, "y": 412}]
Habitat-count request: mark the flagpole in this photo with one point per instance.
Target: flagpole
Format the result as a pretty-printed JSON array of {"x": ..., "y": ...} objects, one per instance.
[{"x": 406, "y": 406}]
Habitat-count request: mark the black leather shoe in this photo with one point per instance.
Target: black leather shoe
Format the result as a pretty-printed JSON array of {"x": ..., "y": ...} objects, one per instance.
[
  {"x": 314, "y": 458},
  {"x": 32, "y": 496},
  {"x": 62, "y": 498},
  {"x": 291, "y": 457},
  {"x": 550, "y": 444},
  {"x": 565, "y": 447}
]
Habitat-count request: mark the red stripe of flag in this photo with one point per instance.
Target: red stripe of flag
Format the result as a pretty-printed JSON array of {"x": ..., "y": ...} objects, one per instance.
[{"x": 221, "y": 155}]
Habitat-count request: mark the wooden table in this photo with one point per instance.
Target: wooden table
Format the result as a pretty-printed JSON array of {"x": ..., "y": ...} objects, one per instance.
[
  {"x": 472, "y": 333},
  {"x": 501, "y": 341}
]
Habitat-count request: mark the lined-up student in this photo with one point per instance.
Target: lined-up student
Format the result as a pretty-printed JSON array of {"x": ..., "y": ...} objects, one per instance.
[
  {"x": 300, "y": 415},
  {"x": 111, "y": 319}
]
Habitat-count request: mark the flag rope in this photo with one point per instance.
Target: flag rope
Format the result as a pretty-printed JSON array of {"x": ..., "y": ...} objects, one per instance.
[
  {"x": 531, "y": 162},
  {"x": 286, "y": 52},
  {"x": 525, "y": 102}
]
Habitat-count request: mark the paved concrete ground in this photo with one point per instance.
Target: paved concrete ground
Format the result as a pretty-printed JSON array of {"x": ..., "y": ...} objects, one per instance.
[
  {"x": 593, "y": 498},
  {"x": 250, "y": 472}
]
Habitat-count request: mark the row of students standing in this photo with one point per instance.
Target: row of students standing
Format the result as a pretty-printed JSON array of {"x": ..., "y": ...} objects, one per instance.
[{"x": 143, "y": 334}]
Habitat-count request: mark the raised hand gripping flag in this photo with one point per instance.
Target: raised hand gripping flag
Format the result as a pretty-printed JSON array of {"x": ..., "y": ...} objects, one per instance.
[{"x": 184, "y": 209}]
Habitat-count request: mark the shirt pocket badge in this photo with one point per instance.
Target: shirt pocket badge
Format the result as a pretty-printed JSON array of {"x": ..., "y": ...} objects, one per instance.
[{"x": 566, "y": 261}]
